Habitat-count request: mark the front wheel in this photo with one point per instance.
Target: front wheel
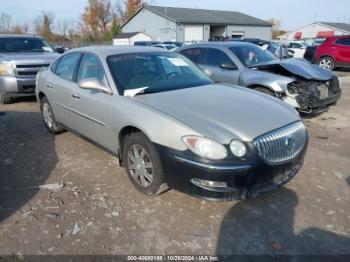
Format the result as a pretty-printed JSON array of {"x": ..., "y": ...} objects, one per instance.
[
  {"x": 143, "y": 164},
  {"x": 49, "y": 119},
  {"x": 326, "y": 63}
]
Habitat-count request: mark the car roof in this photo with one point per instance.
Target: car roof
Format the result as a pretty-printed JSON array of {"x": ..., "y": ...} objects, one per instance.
[
  {"x": 18, "y": 35},
  {"x": 227, "y": 44},
  {"x": 105, "y": 51}
]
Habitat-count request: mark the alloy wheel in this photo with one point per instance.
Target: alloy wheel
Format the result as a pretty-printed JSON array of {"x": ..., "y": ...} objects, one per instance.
[
  {"x": 140, "y": 165},
  {"x": 47, "y": 114},
  {"x": 326, "y": 63}
]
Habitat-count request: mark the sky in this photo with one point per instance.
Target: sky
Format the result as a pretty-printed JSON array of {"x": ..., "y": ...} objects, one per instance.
[{"x": 292, "y": 13}]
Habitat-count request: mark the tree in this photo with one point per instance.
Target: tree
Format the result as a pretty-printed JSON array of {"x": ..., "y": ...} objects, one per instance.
[
  {"x": 5, "y": 23},
  {"x": 131, "y": 6},
  {"x": 276, "y": 27},
  {"x": 97, "y": 15},
  {"x": 43, "y": 25}
]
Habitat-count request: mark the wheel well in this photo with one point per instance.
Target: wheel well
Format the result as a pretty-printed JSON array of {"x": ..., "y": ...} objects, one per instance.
[
  {"x": 122, "y": 134},
  {"x": 41, "y": 95},
  {"x": 261, "y": 86},
  {"x": 329, "y": 56}
]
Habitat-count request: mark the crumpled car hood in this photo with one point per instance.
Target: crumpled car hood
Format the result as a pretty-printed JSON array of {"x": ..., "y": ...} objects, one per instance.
[
  {"x": 298, "y": 67},
  {"x": 223, "y": 112}
]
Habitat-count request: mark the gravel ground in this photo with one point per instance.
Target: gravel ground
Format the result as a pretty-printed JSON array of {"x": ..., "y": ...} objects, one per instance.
[{"x": 88, "y": 205}]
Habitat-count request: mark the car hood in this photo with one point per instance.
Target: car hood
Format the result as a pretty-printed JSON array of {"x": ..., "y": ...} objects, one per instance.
[
  {"x": 298, "y": 67},
  {"x": 223, "y": 112},
  {"x": 29, "y": 58}
]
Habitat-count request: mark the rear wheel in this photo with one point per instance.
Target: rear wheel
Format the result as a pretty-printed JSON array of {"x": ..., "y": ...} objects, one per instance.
[
  {"x": 4, "y": 98},
  {"x": 326, "y": 63},
  {"x": 49, "y": 119},
  {"x": 143, "y": 164}
]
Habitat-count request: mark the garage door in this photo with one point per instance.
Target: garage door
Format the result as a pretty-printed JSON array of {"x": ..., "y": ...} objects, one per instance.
[{"x": 193, "y": 33}]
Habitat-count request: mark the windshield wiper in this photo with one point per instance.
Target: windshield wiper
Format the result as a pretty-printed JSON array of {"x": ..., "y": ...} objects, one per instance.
[{"x": 134, "y": 92}]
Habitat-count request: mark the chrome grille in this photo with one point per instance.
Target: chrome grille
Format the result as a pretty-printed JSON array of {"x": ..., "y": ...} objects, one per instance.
[
  {"x": 29, "y": 70},
  {"x": 281, "y": 145}
]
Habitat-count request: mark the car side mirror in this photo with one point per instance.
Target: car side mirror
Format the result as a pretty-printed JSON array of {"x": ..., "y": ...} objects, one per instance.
[
  {"x": 228, "y": 66},
  {"x": 59, "y": 50},
  {"x": 94, "y": 84}
]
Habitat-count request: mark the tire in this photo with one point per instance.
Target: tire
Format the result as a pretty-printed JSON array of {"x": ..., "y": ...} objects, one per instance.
[
  {"x": 264, "y": 90},
  {"x": 49, "y": 119},
  {"x": 327, "y": 63},
  {"x": 4, "y": 98},
  {"x": 142, "y": 164}
]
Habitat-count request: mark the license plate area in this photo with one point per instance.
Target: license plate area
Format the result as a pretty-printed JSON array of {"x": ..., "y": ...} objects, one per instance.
[{"x": 324, "y": 91}]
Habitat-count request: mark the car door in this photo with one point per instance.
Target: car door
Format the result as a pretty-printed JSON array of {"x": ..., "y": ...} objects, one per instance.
[
  {"x": 213, "y": 67},
  {"x": 93, "y": 108},
  {"x": 343, "y": 50},
  {"x": 61, "y": 85}
]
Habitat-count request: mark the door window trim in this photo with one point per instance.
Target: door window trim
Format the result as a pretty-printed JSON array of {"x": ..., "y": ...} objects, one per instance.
[
  {"x": 100, "y": 63},
  {"x": 74, "y": 76}
]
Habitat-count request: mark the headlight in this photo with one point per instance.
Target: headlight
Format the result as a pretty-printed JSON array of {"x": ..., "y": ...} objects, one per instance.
[
  {"x": 6, "y": 69},
  {"x": 238, "y": 148},
  {"x": 205, "y": 147}
]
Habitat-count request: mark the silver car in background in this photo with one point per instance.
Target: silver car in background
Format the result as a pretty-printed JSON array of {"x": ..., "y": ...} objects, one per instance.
[
  {"x": 21, "y": 57},
  {"x": 299, "y": 83},
  {"x": 170, "y": 125}
]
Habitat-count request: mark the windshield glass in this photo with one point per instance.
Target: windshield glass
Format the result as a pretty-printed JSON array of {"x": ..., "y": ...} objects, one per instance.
[
  {"x": 251, "y": 55},
  {"x": 154, "y": 71},
  {"x": 23, "y": 44}
]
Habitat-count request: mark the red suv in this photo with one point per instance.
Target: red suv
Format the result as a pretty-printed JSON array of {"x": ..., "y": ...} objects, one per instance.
[{"x": 334, "y": 52}]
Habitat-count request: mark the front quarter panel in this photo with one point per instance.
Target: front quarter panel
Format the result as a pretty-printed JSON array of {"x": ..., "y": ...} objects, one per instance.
[
  {"x": 277, "y": 83},
  {"x": 157, "y": 126}
]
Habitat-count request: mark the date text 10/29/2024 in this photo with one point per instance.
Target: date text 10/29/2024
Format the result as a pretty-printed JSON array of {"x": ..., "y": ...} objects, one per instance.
[{"x": 172, "y": 258}]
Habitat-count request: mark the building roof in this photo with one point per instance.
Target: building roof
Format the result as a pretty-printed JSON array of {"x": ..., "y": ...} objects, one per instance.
[
  {"x": 127, "y": 35},
  {"x": 202, "y": 16},
  {"x": 340, "y": 26}
]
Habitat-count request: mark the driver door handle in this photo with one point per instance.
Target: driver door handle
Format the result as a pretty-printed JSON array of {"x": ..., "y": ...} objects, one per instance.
[
  {"x": 76, "y": 96},
  {"x": 49, "y": 86}
]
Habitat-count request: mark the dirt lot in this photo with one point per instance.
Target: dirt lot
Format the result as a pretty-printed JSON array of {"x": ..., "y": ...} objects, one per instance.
[{"x": 97, "y": 211}]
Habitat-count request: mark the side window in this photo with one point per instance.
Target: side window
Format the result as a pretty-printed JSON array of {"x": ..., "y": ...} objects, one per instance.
[
  {"x": 343, "y": 41},
  {"x": 67, "y": 65},
  {"x": 196, "y": 55},
  {"x": 217, "y": 57},
  {"x": 90, "y": 67}
]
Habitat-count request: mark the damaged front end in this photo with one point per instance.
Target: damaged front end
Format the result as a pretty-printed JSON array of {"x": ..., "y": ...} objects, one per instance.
[
  {"x": 315, "y": 96},
  {"x": 312, "y": 89}
]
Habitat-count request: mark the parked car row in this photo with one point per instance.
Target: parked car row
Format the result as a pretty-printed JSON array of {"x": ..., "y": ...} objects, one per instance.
[{"x": 304, "y": 86}]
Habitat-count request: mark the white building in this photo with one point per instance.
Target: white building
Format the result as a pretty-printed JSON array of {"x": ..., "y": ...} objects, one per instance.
[
  {"x": 130, "y": 38},
  {"x": 317, "y": 30},
  {"x": 186, "y": 25}
]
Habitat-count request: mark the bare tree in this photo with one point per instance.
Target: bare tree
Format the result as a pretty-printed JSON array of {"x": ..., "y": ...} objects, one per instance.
[
  {"x": 62, "y": 27},
  {"x": 43, "y": 24},
  {"x": 5, "y": 22}
]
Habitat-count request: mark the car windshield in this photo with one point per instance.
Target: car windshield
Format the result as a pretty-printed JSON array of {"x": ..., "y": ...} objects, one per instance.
[
  {"x": 251, "y": 55},
  {"x": 155, "y": 72},
  {"x": 23, "y": 44}
]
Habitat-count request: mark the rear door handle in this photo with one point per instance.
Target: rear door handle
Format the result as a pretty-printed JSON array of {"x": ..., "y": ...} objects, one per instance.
[
  {"x": 76, "y": 96},
  {"x": 49, "y": 86}
]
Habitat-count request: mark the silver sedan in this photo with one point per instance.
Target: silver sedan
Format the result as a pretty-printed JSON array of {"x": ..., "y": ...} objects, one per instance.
[{"x": 170, "y": 125}]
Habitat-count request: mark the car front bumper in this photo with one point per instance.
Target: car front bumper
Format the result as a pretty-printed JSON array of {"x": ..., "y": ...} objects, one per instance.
[
  {"x": 225, "y": 181},
  {"x": 17, "y": 86}
]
